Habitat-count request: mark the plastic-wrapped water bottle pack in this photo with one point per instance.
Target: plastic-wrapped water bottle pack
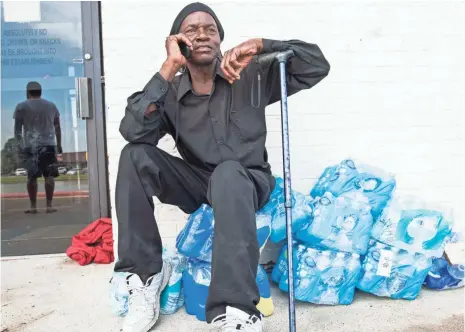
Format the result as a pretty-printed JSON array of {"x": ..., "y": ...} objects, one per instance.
[
  {"x": 375, "y": 183},
  {"x": 410, "y": 224},
  {"x": 196, "y": 280},
  {"x": 444, "y": 275},
  {"x": 300, "y": 205},
  {"x": 301, "y": 214},
  {"x": 320, "y": 276},
  {"x": 339, "y": 223},
  {"x": 196, "y": 238},
  {"x": 392, "y": 272},
  {"x": 447, "y": 272},
  {"x": 172, "y": 297},
  {"x": 119, "y": 293}
]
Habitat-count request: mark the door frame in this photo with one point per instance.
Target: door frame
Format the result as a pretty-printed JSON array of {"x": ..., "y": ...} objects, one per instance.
[
  {"x": 97, "y": 160},
  {"x": 99, "y": 194}
]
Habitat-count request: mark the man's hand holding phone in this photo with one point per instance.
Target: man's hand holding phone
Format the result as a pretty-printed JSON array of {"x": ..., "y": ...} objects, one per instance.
[{"x": 175, "y": 58}]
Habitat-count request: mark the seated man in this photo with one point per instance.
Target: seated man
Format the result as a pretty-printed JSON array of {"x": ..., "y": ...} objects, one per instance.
[{"x": 215, "y": 110}]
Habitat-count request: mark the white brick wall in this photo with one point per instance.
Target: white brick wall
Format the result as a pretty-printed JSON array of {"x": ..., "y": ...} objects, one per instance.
[{"x": 394, "y": 97}]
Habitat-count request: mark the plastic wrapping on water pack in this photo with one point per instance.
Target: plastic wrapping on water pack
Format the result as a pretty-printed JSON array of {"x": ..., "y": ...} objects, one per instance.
[
  {"x": 444, "y": 275},
  {"x": 339, "y": 223},
  {"x": 391, "y": 272},
  {"x": 447, "y": 272},
  {"x": 410, "y": 224},
  {"x": 281, "y": 265},
  {"x": 119, "y": 293},
  {"x": 196, "y": 281},
  {"x": 301, "y": 211},
  {"x": 171, "y": 298},
  {"x": 301, "y": 215},
  {"x": 320, "y": 276},
  {"x": 376, "y": 184},
  {"x": 196, "y": 238}
]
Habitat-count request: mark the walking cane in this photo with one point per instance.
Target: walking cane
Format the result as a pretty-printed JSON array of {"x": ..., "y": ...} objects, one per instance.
[{"x": 282, "y": 58}]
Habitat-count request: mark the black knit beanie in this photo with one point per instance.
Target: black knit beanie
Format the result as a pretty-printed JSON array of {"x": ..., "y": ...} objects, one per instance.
[{"x": 191, "y": 8}]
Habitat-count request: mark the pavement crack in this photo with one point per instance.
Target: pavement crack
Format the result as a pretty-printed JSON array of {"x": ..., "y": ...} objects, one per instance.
[{"x": 19, "y": 327}]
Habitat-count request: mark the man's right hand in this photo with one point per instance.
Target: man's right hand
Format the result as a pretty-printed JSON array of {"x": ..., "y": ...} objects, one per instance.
[{"x": 175, "y": 60}]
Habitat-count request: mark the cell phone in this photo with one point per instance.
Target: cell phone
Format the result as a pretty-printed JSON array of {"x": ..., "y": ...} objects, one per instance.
[{"x": 185, "y": 50}]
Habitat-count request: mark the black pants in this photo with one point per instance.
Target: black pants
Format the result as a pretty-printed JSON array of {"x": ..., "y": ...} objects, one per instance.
[{"x": 234, "y": 193}]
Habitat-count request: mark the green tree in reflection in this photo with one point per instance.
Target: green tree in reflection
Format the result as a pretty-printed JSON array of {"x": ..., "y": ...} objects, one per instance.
[{"x": 10, "y": 156}]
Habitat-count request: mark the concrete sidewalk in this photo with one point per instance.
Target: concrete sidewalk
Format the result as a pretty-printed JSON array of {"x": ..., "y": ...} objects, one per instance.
[{"x": 53, "y": 293}]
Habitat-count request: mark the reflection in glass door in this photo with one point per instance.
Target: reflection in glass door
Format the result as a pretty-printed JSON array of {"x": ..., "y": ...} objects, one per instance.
[{"x": 44, "y": 182}]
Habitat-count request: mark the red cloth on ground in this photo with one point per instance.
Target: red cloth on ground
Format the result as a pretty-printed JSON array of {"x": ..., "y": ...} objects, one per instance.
[{"x": 93, "y": 244}]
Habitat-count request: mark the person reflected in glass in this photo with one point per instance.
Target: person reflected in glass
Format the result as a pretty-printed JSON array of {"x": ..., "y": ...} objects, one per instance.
[{"x": 38, "y": 133}]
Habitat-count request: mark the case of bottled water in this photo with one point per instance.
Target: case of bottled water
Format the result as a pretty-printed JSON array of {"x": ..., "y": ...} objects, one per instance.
[
  {"x": 410, "y": 224},
  {"x": 196, "y": 280},
  {"x": 444, "y": 275},
  {"x": 320, "y": 276},
  {"x": 196, "y": 238},
  {"x": 301, "y": 216},
  {"x": 392, "y": 272},
  {"x": 339, "y": 223},
  {"x": 375, "y": 183},
  {"x": 172, "y": 297},
  {"x": 119, "y": 293}
]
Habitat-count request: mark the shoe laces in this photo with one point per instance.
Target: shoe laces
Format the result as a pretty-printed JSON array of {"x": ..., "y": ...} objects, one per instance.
[
  {"x": 138, "y": 298},
  {"x": 234, "y": 324}
]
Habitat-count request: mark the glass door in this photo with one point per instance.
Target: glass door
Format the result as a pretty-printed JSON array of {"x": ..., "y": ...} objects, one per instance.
[{"x": 45, "y": 119}]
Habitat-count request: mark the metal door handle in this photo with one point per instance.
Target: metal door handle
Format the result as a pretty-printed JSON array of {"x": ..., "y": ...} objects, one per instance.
[{"x": 84, "y": 100}]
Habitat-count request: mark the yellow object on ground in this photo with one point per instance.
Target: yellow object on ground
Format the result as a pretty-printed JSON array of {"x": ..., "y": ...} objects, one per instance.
[{"x": 266, "y": 306}]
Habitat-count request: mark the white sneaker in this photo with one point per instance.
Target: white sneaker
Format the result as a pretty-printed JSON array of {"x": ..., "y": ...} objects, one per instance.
[
  {"x": 237, "y": 320},
  {"x": 144, "y": 300}
]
